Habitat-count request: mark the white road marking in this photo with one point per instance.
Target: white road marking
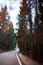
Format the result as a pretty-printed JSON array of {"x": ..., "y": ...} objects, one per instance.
[{"x": 18, "y": 59}]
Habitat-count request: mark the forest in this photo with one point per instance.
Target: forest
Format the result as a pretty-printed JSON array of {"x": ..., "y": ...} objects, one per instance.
[{"x": 29, "y": 35}]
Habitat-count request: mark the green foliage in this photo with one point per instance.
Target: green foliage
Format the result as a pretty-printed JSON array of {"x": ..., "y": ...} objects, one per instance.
[
  {"x": 3, "y": 40},
  {"x": 12, "y": 41}
]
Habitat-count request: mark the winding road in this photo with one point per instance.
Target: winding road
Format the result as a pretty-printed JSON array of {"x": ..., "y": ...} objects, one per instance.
[{"x": 9, "y": 58}]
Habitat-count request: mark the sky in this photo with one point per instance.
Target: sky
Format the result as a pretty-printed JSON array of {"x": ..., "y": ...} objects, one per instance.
[{"x": 13, "y": 9}]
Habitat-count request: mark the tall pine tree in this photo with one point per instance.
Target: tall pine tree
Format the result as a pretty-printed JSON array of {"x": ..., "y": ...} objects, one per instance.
[{"x": 25, "y": 28}]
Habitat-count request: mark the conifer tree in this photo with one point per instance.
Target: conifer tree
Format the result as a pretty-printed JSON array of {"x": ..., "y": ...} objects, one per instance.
[
  {"x": 39, "y": 30},
  {"x": 25, "y": 28}
]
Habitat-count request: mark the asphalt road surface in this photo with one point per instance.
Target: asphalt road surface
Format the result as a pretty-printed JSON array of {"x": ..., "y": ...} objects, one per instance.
[{"x": 9, "y": 58}]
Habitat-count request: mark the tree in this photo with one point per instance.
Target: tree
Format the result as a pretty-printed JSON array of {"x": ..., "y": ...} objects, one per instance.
[
  {"x": 6, "y": 26},
  {"x": 12, "y": 41},
  {"x": 3, "y": 40},
  {"x": 3, "y": 14},
  {"x": 23, "y": 32},
  {"x": 38, "y": 31}
]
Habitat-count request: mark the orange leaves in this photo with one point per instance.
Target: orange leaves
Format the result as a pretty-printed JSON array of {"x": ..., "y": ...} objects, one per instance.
[
  {"x": 8, "y": 28},
  {"x": 3, "y": 14},
  {"x": 25, "y": 6}
]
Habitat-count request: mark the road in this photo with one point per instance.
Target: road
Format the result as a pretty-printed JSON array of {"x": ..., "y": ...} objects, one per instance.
[{"x": 9, "y": 58}]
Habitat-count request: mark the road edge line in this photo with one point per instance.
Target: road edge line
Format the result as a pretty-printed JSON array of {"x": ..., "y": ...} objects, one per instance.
[{"x": 18, "y": 59}]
